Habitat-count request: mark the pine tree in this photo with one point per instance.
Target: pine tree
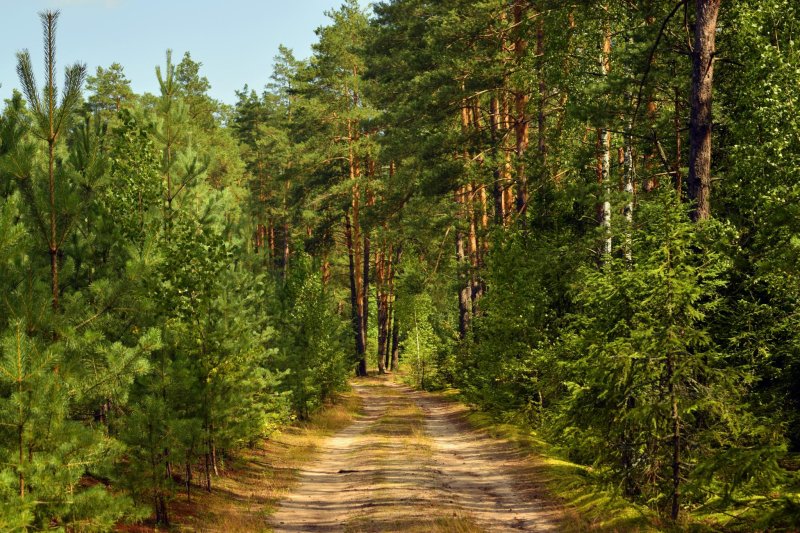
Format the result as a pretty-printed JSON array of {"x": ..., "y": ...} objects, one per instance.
[
  {"x": 51, "y": 118},
  {"x": 111, "y": 90}
]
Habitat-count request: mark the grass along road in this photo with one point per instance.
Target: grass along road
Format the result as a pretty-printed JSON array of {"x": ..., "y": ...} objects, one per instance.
[{"x": 411, "y": 463}]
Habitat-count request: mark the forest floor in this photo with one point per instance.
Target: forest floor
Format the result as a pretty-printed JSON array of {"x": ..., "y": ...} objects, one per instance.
[{"x": 411, "y": 462}]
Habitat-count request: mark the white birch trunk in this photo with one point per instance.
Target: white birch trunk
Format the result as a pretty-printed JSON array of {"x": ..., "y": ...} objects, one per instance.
[
  {"x": 605, "y": 148},
  {"x": 628, "y": 179}
]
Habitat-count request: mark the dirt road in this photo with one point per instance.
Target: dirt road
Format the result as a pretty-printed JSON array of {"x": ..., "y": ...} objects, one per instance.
[{"x": 410, "y": 463}]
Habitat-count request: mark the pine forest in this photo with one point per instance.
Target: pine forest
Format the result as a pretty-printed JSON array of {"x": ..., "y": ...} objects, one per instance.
[{"x": 579, "y": 219}]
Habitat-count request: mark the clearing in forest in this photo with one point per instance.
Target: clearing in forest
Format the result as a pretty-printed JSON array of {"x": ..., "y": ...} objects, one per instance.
[{"x": 410, "y": 463}]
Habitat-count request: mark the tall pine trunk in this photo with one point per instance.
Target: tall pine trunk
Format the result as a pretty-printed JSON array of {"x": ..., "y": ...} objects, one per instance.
[
  {"x": 381, "y": 302},
  {"x": 50, "y": 28},
  {"x": 476, "y": 288},
  {"x": 464, "y": 285},
  {"x": 355, "y": 305},
  {"x": 507, "y": 149},
  {"x": 48, "y": 119},
  {"x": 628, "y": 172},
  {"x": 395, "y": 341},
  {"x": 498, "y": 186},
  {"x": 353, "y": 240},
  {"x": 365, "y": 291},
  {"x": 53, "y": 245},
  {"x": 540, "y": 118},
  {"x": 700, "y": 120},
  {"x": 676, "y": 121},
  {"x": 465, "y": 240},
  {"x": 395, "y": 345},
  {"x": 604, "y": 151},
  {"x": 520, "y": 110}
]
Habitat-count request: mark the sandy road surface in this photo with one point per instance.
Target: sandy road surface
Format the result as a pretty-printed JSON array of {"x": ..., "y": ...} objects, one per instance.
[{"x": 410, "y": 463}]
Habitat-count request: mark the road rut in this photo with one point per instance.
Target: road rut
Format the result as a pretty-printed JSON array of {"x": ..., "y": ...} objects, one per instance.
[{"x": 411, "y": 463}]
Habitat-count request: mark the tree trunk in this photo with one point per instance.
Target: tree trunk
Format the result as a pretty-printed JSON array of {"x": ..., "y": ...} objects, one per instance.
[
  {"x": 508, "y": 181},
  {"x": 627, "y": 162},
  {"x": 208, "y": 471},
  {"x": 465, "y": 251},
  {"x": 214, "y": 460},
  {"x": 395, "y": 351},
  {"x": 678, "y": 179},
  {"x": 326, "y": 271},
  {"x": 650, "y": 182},
  {"x": 464, "y": 293},
  {"x": 51, "y": 143},
  {"x": 21, "y": 442},
  {"x": 381, "y": 303},
  {"x": 604, "y": 156},
  {"x": 389, "y": 292},
  {"x": 541, "y": 139},
  {"x": 365, "y": 296},
  {"x": 387, "y": 337},
  {"x": 395, "y": 345},
  {"x": 476, "y": 290},
  {"x": 355, "y": 304},
  {"x": 286, "y": 249},
  {"x": 271, "y": 240},
  {"x": 258, "y": 236},
  {"x": 484, "y": 224},
  {"x": 604, "y": 177},
  {"x": 162, "y": 516},
  {"x": 188, "y": 479},
  {"x": 53, "y": 236},
  {"x": 676, "y": 438},
  {"x": 700, "y": 119},
  {"x": 357, "y": 298},
  {"x": 520, "y": 110},
  {"x": 499, "y": 183}
]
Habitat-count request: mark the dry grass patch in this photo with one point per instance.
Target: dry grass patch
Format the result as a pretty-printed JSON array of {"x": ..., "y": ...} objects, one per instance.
[
  {"x": 436, "y": 524},
  {"x": 454, "y": 524}
]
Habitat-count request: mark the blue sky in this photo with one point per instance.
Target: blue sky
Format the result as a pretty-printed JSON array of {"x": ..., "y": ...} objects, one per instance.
[{"x": 235, "y": 40}]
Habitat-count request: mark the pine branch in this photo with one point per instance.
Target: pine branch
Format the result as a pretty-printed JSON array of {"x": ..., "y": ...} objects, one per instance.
[
  {"x": 71, "y": 95},
  {"x": 28, "y": 81}
]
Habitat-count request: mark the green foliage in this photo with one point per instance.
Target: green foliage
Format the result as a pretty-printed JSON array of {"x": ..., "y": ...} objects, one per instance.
[
  {"x": 134, "y": 188},
  {"x": 420, "y": 345},
  {"x": 110, "y": 91},
  {"x": 762, "y": 159},
  {"x": 160, "y": 359},
  {"x": 646, "y": 361},
  {"x": 512, "y": 364},
  {"x": 207, "y": 255},
  {"x": 313, "y": 349},
  {"x": 427, "y": 338},
  {"x": 49, "y": 454}
]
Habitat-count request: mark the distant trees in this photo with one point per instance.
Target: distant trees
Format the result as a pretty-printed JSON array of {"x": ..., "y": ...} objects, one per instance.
[{"x": 109, "y": 89}]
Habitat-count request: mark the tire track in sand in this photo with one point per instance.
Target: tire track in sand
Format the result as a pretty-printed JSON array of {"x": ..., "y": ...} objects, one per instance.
[{"x": 410, "y": 463}]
